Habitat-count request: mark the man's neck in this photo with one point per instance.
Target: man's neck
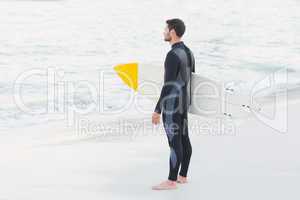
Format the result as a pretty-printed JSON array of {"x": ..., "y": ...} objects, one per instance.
[{"x": 172, "y": 42}]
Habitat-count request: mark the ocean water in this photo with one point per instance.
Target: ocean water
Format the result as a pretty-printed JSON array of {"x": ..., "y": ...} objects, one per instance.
[{"x": 234, "y": 40}]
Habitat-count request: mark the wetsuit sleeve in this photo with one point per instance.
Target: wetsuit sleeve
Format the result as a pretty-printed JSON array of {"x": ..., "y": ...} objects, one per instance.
[{"x": 172, "y": 64}]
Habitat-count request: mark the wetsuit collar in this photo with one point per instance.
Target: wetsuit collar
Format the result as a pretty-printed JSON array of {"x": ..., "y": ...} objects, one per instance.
[{"x": 177, "y": 44}]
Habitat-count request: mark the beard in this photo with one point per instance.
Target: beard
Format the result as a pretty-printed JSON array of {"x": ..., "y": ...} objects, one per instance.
[{"x": 167, "y": 38}]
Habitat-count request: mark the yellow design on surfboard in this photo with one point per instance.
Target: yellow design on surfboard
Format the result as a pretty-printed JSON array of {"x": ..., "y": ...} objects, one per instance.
[{"x": 129, "y": 74}]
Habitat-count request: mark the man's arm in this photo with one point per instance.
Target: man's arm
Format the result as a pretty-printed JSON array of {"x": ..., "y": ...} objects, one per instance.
[{"x": 172, "y": 64}]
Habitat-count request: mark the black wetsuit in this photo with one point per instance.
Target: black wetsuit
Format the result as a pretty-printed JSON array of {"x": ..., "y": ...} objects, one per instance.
[{"x": 173, "y": 103}]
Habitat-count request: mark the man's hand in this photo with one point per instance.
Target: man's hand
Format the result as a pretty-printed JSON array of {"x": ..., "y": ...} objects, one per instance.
[{"x": 155, "y": 118}]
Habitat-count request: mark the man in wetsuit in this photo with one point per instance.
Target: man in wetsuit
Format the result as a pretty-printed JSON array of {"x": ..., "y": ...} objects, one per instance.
[{"x": 174, "y": 102}]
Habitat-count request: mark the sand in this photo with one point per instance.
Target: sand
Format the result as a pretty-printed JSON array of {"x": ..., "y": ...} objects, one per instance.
[{"x": 54, "y": 161}]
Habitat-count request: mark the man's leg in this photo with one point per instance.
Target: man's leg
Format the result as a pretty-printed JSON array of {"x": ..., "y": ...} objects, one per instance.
[
  {"x": 187, "y": 147},
  {"x": 172, "y": 123}
]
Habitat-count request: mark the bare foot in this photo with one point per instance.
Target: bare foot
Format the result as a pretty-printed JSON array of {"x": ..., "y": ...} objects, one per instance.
[
  {"x": 166, "y": 185},
  {"x": 182, "y": 180}
]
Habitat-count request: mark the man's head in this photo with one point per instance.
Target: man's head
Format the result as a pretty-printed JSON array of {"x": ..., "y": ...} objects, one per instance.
[{"x": 174, "y": 30}]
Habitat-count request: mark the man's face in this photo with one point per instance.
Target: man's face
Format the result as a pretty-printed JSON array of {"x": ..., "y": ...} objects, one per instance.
[{"x": 167, "y": 35}]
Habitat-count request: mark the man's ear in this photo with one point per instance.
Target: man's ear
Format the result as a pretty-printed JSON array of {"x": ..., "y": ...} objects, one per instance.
[{"x": 172, "y": 32}]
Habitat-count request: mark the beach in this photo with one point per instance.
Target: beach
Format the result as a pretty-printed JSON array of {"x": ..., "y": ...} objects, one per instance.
[
  {"x": 70, "y": 128},
  {"x": 59, "y": 162}
]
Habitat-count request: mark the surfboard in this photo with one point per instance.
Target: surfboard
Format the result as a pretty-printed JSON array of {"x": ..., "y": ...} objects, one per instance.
[{"x": 210, "y": 98}]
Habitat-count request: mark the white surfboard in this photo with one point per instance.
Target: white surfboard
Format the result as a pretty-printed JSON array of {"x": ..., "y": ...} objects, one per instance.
[
  {"x": 210, "y": 98},
  {"x": 214, "y": 99}
]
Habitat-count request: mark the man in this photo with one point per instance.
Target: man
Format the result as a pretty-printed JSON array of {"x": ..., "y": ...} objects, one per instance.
[{"x": 174, "y": 102}]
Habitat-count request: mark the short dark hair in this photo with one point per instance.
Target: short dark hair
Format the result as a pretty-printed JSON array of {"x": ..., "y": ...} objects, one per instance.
[{"x": 177, "y": 25}]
